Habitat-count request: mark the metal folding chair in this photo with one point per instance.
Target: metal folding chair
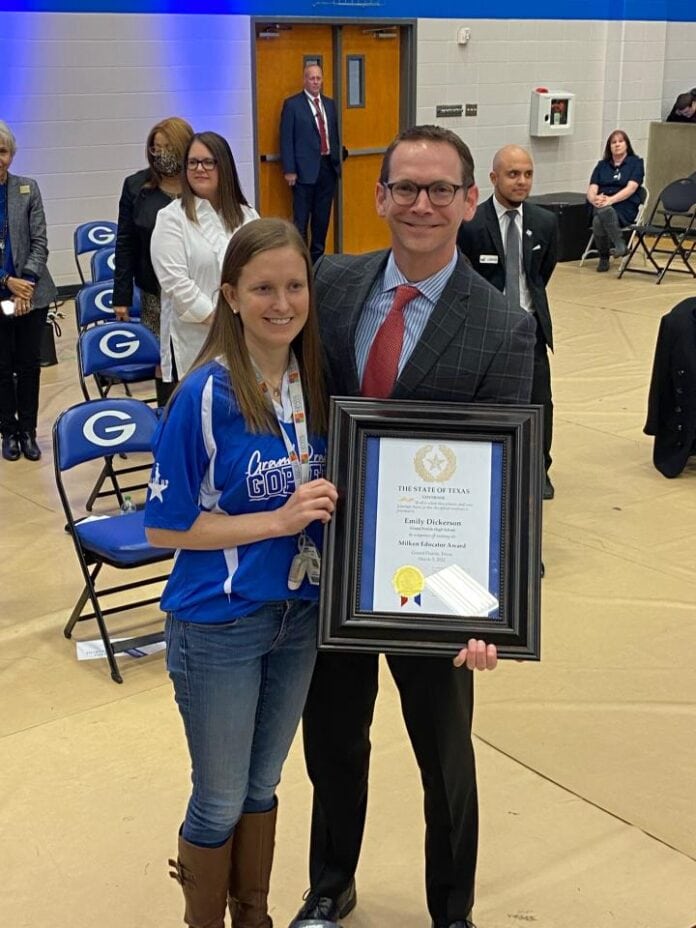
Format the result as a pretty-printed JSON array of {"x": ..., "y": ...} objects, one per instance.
[
  {"x": 673, "y": 219},
  {"x": 94, "y": 304},
  {"x": 629, "y": 230},
  {"x": 91, "y": 236},
  {"x": 102, "y": 265},
  {"x": 84, "y": 433},
  {"x": 115, "y": 353}
]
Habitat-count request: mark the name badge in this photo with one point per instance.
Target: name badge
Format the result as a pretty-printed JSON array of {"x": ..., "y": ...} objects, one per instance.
[
  {"x": 488, "y": 259},
  {"x": 24, "y": 188}
]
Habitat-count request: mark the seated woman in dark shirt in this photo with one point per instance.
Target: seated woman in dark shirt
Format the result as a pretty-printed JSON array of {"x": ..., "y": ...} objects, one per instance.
[{"x": 614, "y": 195}]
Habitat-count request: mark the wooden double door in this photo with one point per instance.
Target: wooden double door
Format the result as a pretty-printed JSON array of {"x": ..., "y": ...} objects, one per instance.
[{"x": 363, "y": 67}]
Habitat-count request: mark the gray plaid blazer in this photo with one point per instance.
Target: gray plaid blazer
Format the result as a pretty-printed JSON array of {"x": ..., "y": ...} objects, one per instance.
[
  {"x": 474, "y": 347},
  {"x": 28, "y": 239}
]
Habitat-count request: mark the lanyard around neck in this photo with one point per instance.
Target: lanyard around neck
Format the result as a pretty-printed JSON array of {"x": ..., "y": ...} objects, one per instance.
[{"x": 298, "y": 458}]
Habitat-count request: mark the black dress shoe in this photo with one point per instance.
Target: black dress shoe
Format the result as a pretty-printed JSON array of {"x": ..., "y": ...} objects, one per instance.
[
  {"x": 10, "y": 447},
  {"x": 314, "y": 923},
  {"x": 603, "y": 263},
  {"x": 30, "y": 449},
  {"x": 549, "y": 489},
  {"x": 326, "y": 909},
  {"x": 462, "y": 923}
]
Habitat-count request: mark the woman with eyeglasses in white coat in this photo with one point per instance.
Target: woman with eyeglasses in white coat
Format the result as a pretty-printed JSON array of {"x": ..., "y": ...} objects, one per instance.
[{"x": 188, "y": 246}]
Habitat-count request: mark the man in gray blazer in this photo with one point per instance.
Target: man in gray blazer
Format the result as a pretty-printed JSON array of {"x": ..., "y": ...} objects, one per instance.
[
  {"x": 452, "y": 337},
  {"x": 484, "y": 242}
]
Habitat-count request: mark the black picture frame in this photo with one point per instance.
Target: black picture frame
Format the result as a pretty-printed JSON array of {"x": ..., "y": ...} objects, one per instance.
[{"x": 514, "y": 435}]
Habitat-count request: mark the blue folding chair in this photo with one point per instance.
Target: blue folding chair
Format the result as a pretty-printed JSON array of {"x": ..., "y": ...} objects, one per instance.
[
  {"x": 85, "y": 433},
  {"x": 94, "y": 304},
  {"x": 102, "y": 265},
  {"x": 101, "y": 353},
  {"x": 116, "y": 352},
  {"x": 91, "y": 236}
]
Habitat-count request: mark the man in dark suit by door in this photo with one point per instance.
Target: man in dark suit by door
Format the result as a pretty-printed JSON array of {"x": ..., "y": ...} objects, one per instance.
[
  {"x": 533, "y": 236},
  {"x": 311, "y": 154},
  {"x": 416, "y": 322}
]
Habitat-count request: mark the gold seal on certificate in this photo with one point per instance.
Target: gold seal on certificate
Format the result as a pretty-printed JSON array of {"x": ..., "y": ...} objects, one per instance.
[
  {"x": 435, "y": 463},
  {"x": 409, "y": 583}
]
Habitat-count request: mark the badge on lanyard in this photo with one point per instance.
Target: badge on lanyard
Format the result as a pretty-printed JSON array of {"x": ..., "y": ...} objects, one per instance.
[{"x": 307, "y": 561}]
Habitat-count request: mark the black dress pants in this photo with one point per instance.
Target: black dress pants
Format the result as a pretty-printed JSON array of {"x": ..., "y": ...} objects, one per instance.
[
  {"x": 541, "y": 391},
  {"x": 20, "y": 370},
  {"x": 437, "y": 705},
  {"x": 311, "y": 207}
]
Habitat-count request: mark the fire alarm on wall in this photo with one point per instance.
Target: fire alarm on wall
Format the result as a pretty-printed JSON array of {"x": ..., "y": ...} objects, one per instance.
[{"x": 463, "y": 35}]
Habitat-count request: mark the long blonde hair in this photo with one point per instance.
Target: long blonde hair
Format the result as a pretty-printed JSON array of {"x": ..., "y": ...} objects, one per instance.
[{"x": 226, "y": 335}]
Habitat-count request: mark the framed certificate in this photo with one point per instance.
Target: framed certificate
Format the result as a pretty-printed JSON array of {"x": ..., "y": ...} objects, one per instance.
[{"x": 437, "y": 534}]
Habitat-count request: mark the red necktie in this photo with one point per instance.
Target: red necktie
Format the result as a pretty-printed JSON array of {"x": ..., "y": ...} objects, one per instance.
[
  {"x": 322, "y": 126},
  {"x": 383, "y": 360}
]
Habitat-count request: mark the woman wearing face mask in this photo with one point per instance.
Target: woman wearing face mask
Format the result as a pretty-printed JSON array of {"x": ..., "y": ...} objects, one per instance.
[
  {"x": 144, "y": 195},
  {"x": 189, "y": 243}
]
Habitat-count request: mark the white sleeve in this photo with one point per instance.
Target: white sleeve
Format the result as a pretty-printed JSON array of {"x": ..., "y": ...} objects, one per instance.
[{"x": 171, "y": 260}]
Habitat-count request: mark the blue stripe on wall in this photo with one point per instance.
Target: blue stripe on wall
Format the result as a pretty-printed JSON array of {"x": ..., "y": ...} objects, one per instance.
[
  {"x": 16, "y": 31},
  {"x": 658, "y": 10}
]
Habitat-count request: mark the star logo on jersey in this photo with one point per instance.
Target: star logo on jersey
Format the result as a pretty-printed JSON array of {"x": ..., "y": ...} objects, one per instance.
[{"x": 157, "y": 486}]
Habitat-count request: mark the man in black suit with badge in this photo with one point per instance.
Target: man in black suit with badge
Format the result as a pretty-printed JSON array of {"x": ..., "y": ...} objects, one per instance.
[
  {"x": 506, "y": 224},
  {"x": 410, "y": 322}
]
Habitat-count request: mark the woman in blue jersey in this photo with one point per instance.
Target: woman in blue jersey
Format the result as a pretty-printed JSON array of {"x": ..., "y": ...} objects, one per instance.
[{"x": 238, "y": 489}]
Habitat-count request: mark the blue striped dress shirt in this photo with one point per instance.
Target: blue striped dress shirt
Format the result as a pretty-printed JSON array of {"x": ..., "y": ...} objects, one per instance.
[{"x": 416, "y": 313}]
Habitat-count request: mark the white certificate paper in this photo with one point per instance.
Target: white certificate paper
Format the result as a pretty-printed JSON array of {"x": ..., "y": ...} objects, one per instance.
[{"x": 433, "y": 521}]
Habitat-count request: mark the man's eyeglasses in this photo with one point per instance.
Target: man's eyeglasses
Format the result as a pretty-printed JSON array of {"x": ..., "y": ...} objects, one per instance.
[
  {"x": 405, "y": 192},
  {"x": 206, "y": 163}
]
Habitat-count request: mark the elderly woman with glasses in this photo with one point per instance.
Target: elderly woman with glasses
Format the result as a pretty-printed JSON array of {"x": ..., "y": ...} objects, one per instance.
[
  {"x": 144, "y": 195},
  {"x": 188, "y": 246},
  {"x": 26, "y": 289}
]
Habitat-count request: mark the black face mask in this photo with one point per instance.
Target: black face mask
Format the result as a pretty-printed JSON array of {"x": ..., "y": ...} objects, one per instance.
[{"x": 166, "y": 163}]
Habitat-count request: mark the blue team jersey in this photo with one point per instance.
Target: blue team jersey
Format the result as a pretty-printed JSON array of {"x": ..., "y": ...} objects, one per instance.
[{"x": 207, "y": 461}]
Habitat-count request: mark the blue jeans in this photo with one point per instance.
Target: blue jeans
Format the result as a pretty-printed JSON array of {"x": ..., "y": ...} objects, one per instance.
[{"x": 240, "y": 687}]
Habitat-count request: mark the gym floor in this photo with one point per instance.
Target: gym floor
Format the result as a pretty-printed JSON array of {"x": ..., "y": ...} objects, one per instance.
[{"x": 586, "y": 760}]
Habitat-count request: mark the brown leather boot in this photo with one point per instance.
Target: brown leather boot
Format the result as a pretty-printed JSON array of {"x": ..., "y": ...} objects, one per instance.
[
  {"x": 250, "y": 873},
  {"x": 203, "y": 873}
]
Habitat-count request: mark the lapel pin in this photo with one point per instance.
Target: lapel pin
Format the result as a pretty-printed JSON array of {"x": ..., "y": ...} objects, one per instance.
[{"x": 528, "y": 232}]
